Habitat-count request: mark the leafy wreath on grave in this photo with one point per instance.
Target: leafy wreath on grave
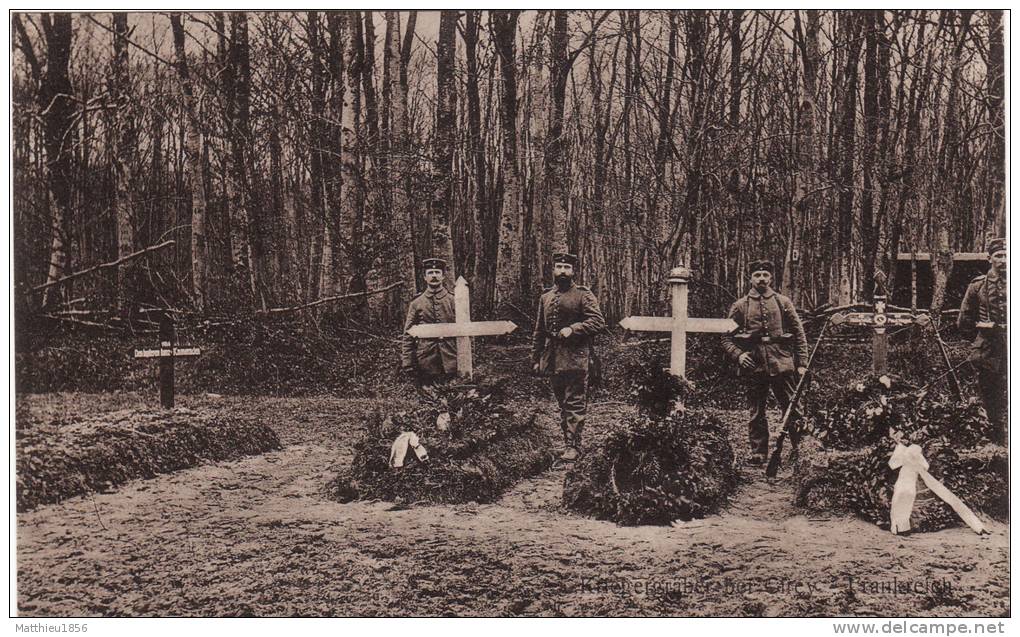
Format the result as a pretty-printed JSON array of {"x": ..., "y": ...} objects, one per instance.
[{"x": 662, "y": 464}]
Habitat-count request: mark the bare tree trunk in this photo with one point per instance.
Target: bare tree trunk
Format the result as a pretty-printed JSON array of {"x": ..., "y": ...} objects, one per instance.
[
  {"x": 334, "y": 181},
  {"x": 554, "y": 218},
  {"x": 503, "y": 25},
  {"x": 947, "y": 196},
  {"x": 869, "y": 237},
  {"x": 358, "y": 173},
  {"x": 807, "y": 148},
  {"x": 193, "y": 164},
  {"x": 324, "y": 279},
  {"x": 243, "y": 254},
  {"x": 995, "y": 208},
  {"x": 446, "y": 123},
  {"x": 56, "y": 102},
  {"x": 851, "y": 27},
  {"x": 123, "y": 155},
  {"x": 476, "y": 147},
  {"x": 400, "y": 164}
]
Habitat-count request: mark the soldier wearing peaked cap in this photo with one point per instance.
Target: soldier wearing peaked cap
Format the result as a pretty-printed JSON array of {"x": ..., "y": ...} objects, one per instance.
[
  {"x": 430, "y": 360},
  {"x": 983, "y": 313},
  {"x": 770, "y": 351},
  {"x": 568, "y": 318}
]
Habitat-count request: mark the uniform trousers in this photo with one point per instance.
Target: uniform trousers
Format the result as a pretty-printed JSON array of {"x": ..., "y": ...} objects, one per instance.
[
  {"x": 569, "y": 388},
  {"x": 783, "y": 387},
  {"x": 992, "y": 386}
]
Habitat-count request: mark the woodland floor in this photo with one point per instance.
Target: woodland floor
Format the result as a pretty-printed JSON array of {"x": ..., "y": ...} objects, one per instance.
[{"x": 258, "y": 537}]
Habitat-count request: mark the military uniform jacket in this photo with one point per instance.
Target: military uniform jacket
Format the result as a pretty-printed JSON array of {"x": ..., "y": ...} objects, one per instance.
[
  {"x": 770, "y": 314},
  {"x": 986, "y": 301},
  {"x": 576, "y": 308},
  {"x": 429, "y": 355}
]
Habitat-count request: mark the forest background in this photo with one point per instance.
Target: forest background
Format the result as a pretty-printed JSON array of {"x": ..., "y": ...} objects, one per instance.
[{"x": 294, "y": 157}]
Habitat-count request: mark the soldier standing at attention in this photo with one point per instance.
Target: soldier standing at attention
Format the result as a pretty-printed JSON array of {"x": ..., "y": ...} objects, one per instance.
[
  {"x": 984, "y": 311},
  {"x": 568, "y": 318},
  {"x": 430, "y": 360},
  {"x": 767, "y": 355}
]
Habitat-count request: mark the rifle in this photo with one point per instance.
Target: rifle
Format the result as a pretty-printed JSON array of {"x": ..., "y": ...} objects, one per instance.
[
  {"x": 954, "y": 381},
  {"x": 777, "y": 455}
]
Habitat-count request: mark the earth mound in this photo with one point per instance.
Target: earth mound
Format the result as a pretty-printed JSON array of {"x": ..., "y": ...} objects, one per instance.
[
  {"x": 476, "y": 448},
  {"x": 845, "y": 467},
  {"x": 63, "y": 458}
]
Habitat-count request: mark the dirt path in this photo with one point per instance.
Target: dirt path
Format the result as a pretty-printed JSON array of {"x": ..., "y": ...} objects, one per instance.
[{"x": 256, "y": 537}]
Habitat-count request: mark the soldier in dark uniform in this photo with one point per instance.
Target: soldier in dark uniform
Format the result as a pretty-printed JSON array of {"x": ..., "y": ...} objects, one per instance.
[
  {"x": 770, "y": 350},
  {"x": 983, "y": 312},
  {"x": 568, "y": 318},
  {"x": 430, "y": 360}
]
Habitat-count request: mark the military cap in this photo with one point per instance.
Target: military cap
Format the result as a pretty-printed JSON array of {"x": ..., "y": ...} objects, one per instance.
[
  {"x": 565, "y": 257},
  {"x": 434, "y": 264},
  {"x": 995, "y": 245},
  {"x": 761, "y": 264}
]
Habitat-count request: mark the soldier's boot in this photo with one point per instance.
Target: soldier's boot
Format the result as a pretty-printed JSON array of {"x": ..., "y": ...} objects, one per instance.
[
  {"x": 573, "y": 450},
  {"x": 566, "y": 434}
]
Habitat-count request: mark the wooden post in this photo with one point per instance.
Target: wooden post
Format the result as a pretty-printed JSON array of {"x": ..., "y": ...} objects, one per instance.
[
  {"x": 166, "y": 363},
  {"x": 879, "y": 338},
  {"x": 678, "y": 279},
  {"x": 462, "y": 314},
  {"x": 913, "y": 282},
  {"x": 167, "y": 353}
]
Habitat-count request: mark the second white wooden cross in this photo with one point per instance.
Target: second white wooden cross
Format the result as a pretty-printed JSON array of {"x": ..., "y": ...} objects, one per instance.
[
  {"x": 679, "y": 324},
  {"x": 463, "y": 328}
]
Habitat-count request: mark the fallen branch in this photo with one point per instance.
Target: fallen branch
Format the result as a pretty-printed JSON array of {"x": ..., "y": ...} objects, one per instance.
[
  {"x": 521, "y": 313},
  {"x": 330, "y": 299},
  {"x": 645, "y": 342},
  {"x": 101, "y": 266},
  {"x": 67, "y": 319},
  {"x": 368, "y": 334}
]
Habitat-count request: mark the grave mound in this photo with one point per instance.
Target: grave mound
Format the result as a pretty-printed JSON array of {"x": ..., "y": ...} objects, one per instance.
[
  {"x": 59, "y": 459},
  {"x": 477, "y": 449},
  {"x": 659, "y": 465},
  {"x": 844, "y": 467}
]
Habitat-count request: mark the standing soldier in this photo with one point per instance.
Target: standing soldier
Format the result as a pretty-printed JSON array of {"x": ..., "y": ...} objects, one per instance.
[
  {"x": 568, "y": 318},
  {"x": 767, "y": 355},
  {"x": 430, "y": 360},
  {"x": 984, "y": 311}
]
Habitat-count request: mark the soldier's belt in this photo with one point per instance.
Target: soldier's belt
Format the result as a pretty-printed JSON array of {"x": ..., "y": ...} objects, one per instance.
[
  {"x": 753, "y": 338},
  {"x": 988, "y": 325}
]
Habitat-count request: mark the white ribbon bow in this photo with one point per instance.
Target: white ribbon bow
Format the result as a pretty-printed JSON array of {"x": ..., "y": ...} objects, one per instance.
[
  {"x": 398, "y": 451},
  {"x": 911, "y": 463}
]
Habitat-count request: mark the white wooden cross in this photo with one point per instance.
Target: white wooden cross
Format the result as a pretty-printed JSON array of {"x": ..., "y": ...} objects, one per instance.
[
  {"x": 463, "y": 328},
  {"x": 679, "y": 324}
]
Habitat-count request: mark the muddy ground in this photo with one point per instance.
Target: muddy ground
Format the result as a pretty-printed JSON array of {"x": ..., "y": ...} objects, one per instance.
[{"x": 257, "y": 537}]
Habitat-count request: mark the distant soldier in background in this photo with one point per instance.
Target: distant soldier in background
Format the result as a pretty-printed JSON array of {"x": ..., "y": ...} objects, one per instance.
[
  {"x": 568, "y": 317},
  {"x": 430, "y": 360},
  {"x": 983, "y": 312},
  {"x": 767, "y": 355}
]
